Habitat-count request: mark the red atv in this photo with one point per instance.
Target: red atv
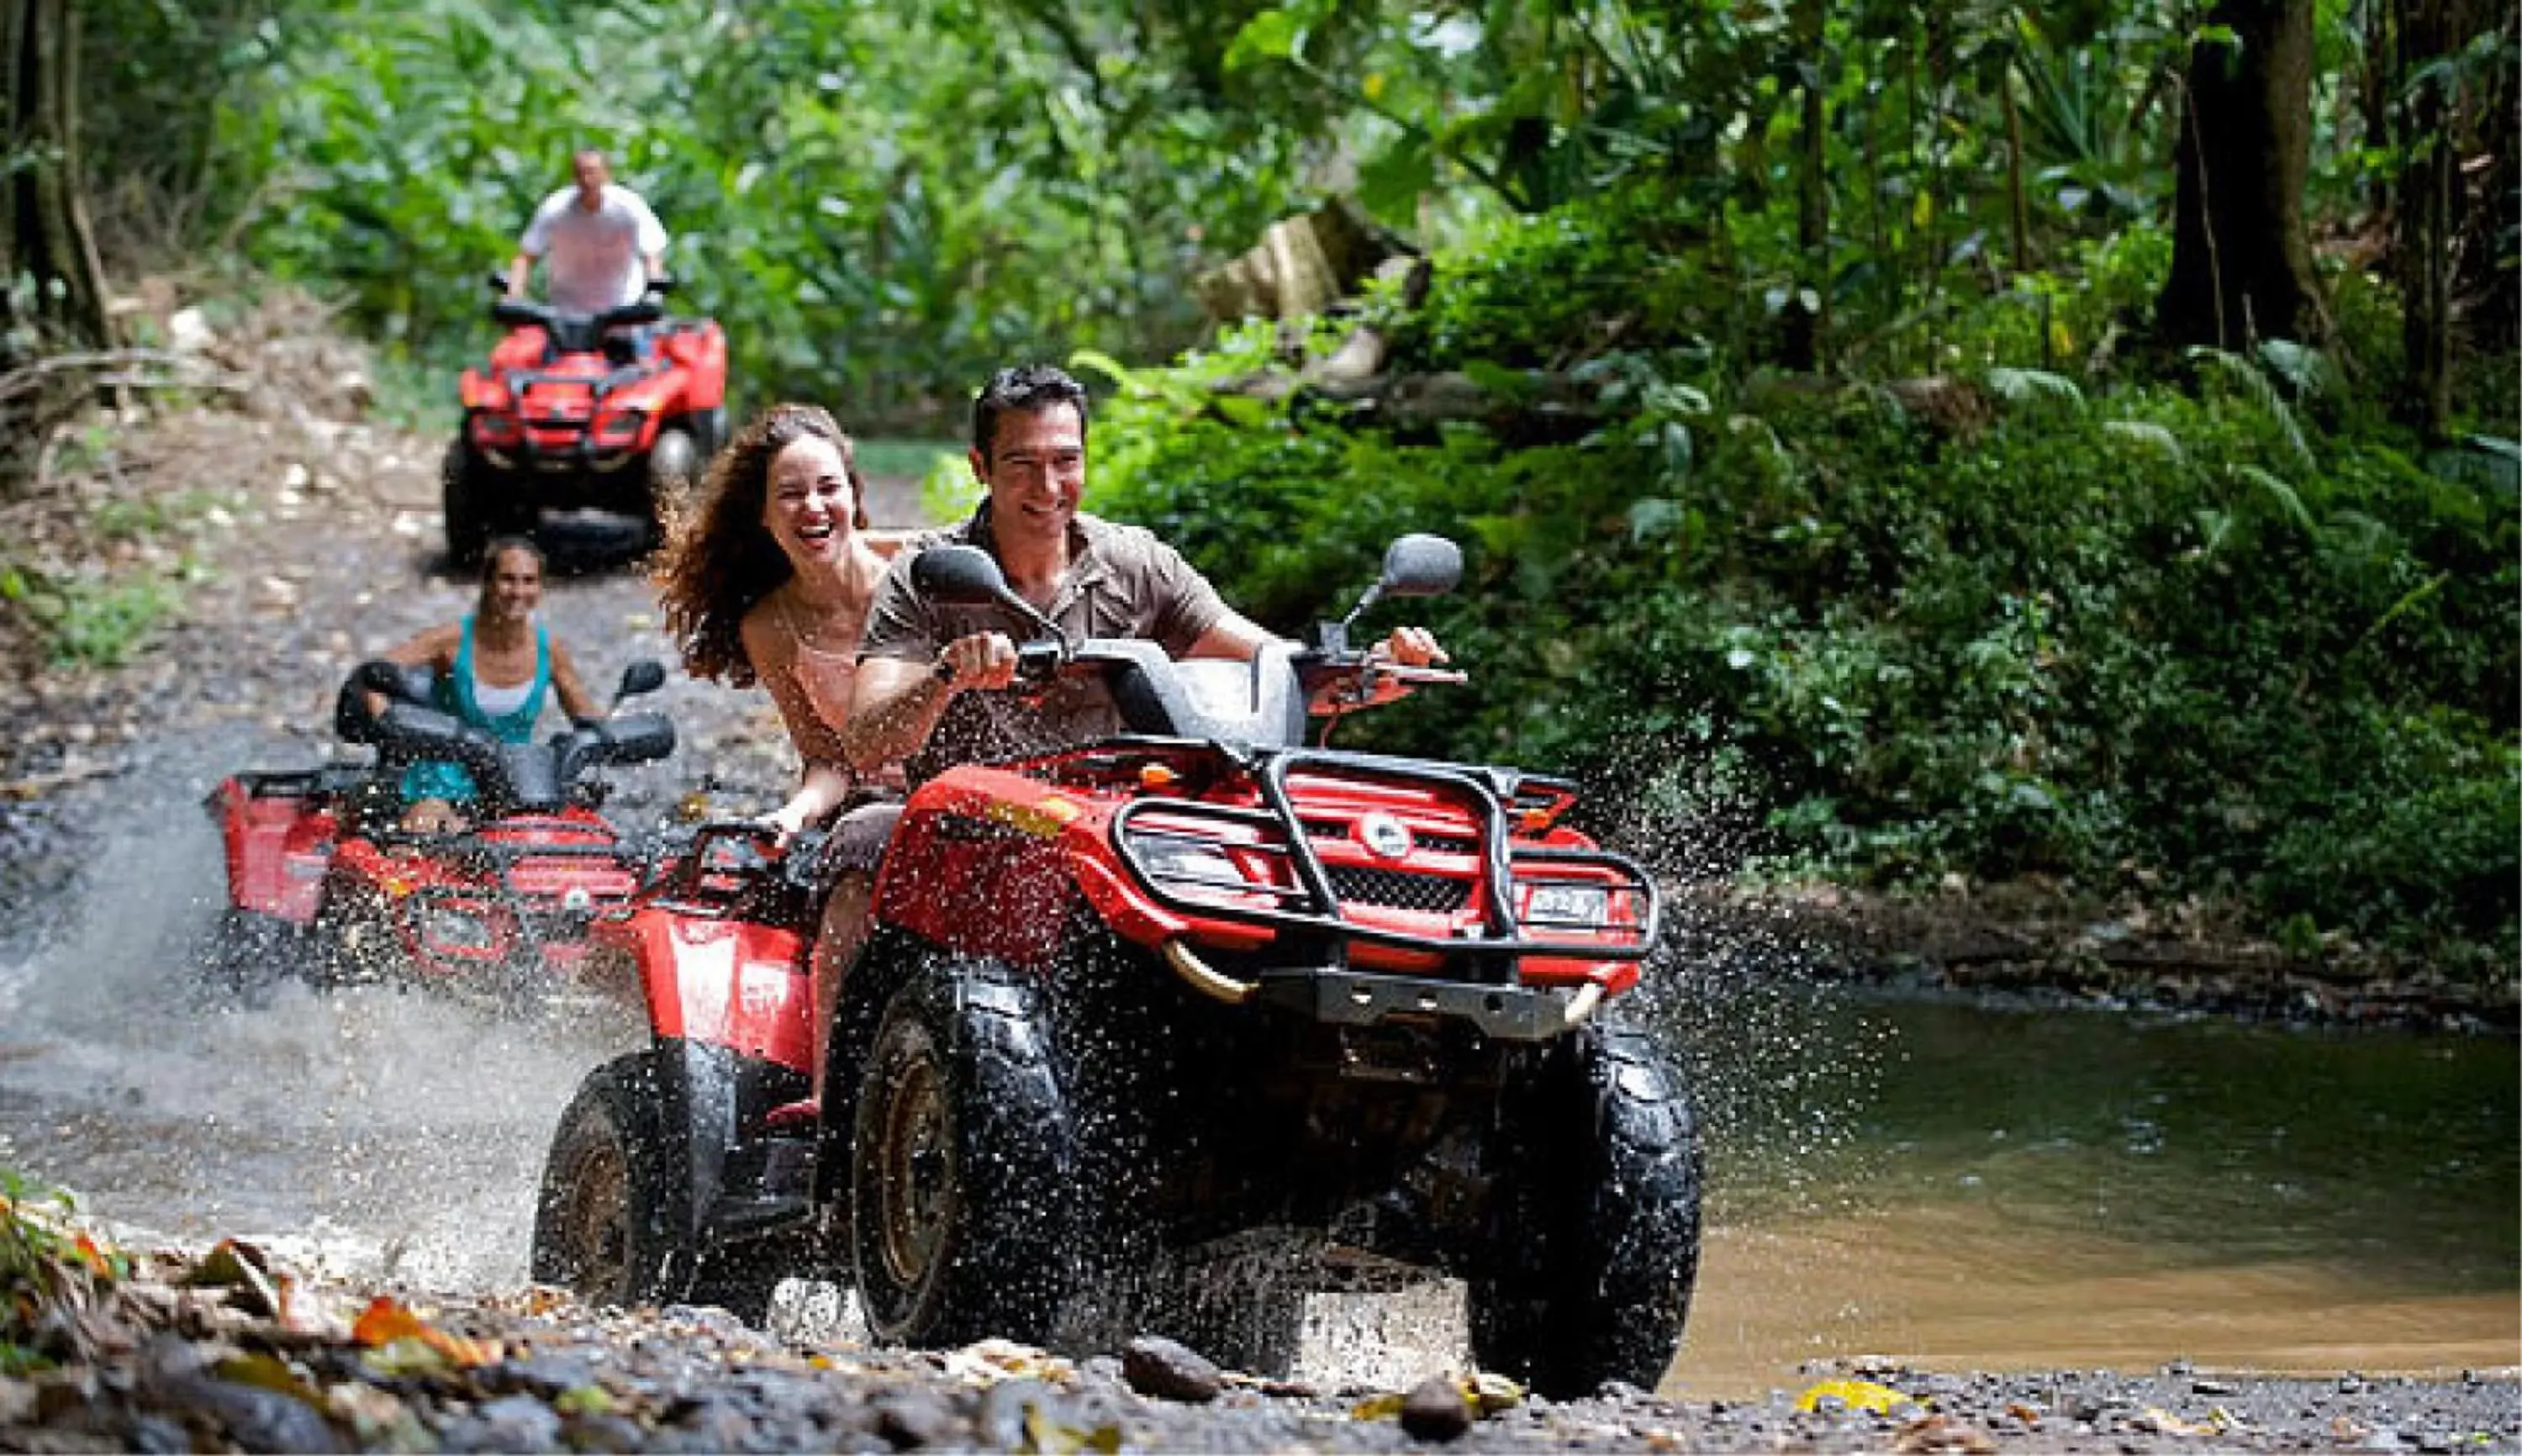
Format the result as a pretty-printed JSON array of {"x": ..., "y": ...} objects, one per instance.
[
  {"x": 1133, "y": 1012},
  {"x": 617, "y": 410},
  {"x": 323, "y": 881}
]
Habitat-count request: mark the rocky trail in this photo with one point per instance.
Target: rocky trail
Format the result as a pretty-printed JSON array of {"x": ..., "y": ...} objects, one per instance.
[{"x": 375, "y": 1154}]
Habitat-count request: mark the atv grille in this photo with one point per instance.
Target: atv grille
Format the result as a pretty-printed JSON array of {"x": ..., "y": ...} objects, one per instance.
[
  {"x": 1443, "y": 844},
  {"x": 1399, "y": 889}
]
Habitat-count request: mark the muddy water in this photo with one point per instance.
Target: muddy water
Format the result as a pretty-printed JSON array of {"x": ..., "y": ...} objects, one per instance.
[
  {"x": 2059, "y": 1189},
  {"x": 371, "y": 1133}
]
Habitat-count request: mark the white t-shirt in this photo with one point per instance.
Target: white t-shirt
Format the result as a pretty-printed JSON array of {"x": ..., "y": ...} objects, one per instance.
[{"x": 592, "y": 259}]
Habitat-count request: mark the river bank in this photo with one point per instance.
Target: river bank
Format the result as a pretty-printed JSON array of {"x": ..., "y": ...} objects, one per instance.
[{"x": 152, "y": 1350}]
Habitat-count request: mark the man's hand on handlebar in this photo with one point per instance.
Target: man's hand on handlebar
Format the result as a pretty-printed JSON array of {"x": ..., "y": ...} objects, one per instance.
[
  {"x": 984, "y": 661},
  {"x": 1386, "y": 671},
  {"x": 1409, "y": 647}
]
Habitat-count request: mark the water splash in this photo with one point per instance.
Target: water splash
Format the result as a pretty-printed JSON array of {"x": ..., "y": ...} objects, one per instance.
[{"x": 367, "y": 1132}]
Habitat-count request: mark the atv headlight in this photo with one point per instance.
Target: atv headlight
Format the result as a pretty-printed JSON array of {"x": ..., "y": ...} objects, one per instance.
[
  {"x": 491, "y": 429},
  {"x": 1565, "y": 905},
  {"x": 620, "y": 430},
  {"x": 444, "y": 928},
  {"x": 1194, "y": 868}
]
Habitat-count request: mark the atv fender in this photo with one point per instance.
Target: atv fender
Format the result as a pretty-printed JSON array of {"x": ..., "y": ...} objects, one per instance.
[{"x": 696, "y": 1092}]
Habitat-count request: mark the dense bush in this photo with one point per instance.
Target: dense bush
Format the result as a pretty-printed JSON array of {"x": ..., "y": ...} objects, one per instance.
[{"x": 2178, "y": 634}]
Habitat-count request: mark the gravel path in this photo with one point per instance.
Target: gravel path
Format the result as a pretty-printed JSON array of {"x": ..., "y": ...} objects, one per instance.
[{"x": 310, "y": 571}]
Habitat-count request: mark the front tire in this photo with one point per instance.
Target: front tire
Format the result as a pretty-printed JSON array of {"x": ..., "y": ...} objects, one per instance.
[
  {"x": 963, "y": 1184},
  {"x": 463, "y": 496},
  {"x": 598, "y": 1230},
  {"x": 251, "y": 952},
  {"x": 1598, "y": 1222},
  {"x": 611, "y": 1216}
]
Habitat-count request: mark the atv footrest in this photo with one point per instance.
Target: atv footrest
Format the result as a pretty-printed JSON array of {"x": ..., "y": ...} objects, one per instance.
[
  {"x": 750, "y": 1218},
  {"x": 1351, "y": 998}
]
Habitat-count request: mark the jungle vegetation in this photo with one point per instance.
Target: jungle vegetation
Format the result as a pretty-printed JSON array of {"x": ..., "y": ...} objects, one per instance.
[{"x": 1979, "y": 440}]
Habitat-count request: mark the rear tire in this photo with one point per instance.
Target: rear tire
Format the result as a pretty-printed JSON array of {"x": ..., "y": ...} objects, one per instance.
[
  {"x": 963, "y": 1163},
  {"x": 1598, "y": 1222}
]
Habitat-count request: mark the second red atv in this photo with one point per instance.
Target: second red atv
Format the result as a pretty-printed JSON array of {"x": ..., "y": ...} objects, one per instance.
[
  {"x": 617, "y": 411},
  {"x": 1135, "y": 1012},
  {"x": 322, "y": 880}
]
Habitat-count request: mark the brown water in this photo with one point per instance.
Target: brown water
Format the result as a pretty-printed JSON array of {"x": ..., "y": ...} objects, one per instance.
[{"x": 2083, "y": 1190}]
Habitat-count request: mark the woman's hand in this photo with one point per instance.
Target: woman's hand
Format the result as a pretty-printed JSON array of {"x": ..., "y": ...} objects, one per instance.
[{"x": 787, "y": 820}]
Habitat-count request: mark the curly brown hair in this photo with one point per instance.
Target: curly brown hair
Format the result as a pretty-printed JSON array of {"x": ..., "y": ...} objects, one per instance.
[{"x": 720, "y": 559}]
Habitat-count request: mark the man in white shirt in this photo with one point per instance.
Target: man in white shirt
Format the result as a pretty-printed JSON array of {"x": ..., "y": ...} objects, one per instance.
[{"x": 603, "y": 242}]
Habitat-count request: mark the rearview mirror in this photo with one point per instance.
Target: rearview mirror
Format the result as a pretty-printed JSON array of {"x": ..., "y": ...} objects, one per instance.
[
  {"x": 647, "y": 674},
  {"x": 498, "y": 280},
  {"x": 967, "y": 577},
  {"x": 963, "y": 576},
  {"x": 1420, "y": 565}
]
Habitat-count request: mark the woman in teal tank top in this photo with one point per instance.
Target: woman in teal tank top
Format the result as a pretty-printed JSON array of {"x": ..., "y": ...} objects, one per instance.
[{"x": 495, "y": 669}]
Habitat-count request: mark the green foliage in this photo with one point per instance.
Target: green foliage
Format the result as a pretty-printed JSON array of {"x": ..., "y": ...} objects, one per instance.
[
  {"x": 2174, "y": 633},
  {"x": 89, "y": 619},
  {"x": 880, "y": 204},
  {"x": 45, "y": 1263}
]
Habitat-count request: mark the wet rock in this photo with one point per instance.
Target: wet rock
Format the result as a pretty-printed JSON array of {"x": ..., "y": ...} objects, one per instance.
[
  {"x": 1169, "y": 1370},
  {"x": 914, "y": 1418},
  {"x": 251, "y": 1417},
  {"x": 604, "y": 1432},
  {"x": 521, "y": 1423},
  {"x": 1434, "y": 1410},
  {"x": 1005, "y": 1409},
  {"x": 544, "y": 1376},
  {"x": 156, "y": 1435}
]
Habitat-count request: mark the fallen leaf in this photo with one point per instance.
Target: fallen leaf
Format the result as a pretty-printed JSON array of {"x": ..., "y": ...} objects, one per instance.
[
  {"x": 407, "y": 1357},
  {"x": 385, "y": 1322},
  {"x": 1857, "y": 1395},
  {"x": 234, "y": 1264},
  {"x": 1384, "y": 1407},
  {"x": 269, "y": 1372},
  {"x": 584, "y": 1400},
  {"x": 1489, "y": 1393}
]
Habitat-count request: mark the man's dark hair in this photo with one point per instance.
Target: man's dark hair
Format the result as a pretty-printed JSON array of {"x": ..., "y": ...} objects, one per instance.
[{"x": 1027, "y": 387}]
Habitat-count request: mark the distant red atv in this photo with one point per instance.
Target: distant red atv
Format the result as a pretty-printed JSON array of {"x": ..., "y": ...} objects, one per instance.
[
  {"x": 617, "y": 411},
  {"x": 1138, "y": 1011},
  {"x": 323, "y": 881}
]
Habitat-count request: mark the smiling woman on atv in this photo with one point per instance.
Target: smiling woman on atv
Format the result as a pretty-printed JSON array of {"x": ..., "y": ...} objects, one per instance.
[
  {"x": 493, "y": 670},
  {"x": 768, "y": 582}
]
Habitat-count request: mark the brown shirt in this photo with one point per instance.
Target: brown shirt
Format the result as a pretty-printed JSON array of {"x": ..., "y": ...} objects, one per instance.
[{"x": 1121, "y": 583}]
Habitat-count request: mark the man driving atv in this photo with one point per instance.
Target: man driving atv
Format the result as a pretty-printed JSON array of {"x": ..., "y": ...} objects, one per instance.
[
  {"x": 604, "y": 244},
  {"x": 928, "y": 670}
]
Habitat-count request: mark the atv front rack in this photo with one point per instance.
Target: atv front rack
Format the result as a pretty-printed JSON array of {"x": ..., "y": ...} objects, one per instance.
[{"x": 1313, "y": 900}]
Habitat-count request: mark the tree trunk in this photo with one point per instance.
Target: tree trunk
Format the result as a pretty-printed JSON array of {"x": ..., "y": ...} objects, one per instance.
[
  {"x": 2241, "y": 262},
  {"x": 1808, "y": 328},
  {"x": 44, "y": 231},
  {"x": 2017, "y": 207},
  {"x": 2426, "y": 186}
]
